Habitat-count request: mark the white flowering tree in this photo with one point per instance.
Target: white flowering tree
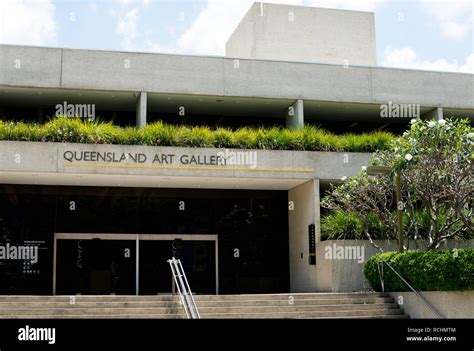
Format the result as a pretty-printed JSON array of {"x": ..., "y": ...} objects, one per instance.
[
  {"x": 434, "y": 159},
  {"x": 366, "y": 196},
  {"x": 435, "y": 162}
]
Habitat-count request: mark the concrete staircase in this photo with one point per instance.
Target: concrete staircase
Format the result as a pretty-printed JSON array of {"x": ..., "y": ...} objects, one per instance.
[{"x": 317, "y": 305}]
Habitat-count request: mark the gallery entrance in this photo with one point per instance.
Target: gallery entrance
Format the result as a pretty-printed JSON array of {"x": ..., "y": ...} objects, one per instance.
[{"x": 132, "y": 264}]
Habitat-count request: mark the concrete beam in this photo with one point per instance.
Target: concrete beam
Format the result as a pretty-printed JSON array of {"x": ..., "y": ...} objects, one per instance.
[
  {"x": 141, "y": 109},
  {"x": 218, "y": 76},
  {"x": 436, "y": 113},
  {"x": 295, "y": 115}
]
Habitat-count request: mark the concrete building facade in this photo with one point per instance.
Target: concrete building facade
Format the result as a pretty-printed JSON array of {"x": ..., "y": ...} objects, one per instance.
[{"x": 251, "y": 223}]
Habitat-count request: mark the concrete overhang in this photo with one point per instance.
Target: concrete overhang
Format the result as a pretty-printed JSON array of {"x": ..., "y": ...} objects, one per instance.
[
  {"x": 53, "y": 163},
  {"x": 253, "y": 82},
  {"x": 148, "y": 182}
]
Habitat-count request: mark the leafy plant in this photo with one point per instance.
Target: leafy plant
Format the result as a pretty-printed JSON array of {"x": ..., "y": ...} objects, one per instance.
[
  {"x": 447, "y": 270},
  {"x": 434, "y": 159},
  {"x": 348, "y": 225}
]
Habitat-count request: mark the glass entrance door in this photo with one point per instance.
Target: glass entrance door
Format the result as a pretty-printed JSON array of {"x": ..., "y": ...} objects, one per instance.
[
  {"x": 95, "y": 266},
  {"x": 198, "y": 258},
  {"x": 127, "y": 264}
]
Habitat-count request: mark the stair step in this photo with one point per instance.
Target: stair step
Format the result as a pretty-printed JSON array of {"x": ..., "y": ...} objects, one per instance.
[
  {"x": 200, "y": 304},
  {"x": 115, "y": 304},
  {"x": 297, "y": 305},
  {"x": 295, "y": 296},
  {"x": 207, "y": 310},
  {"x": 300, "y": 314},
  {"x": 306, "y": 308},
  {"x": 96, "y": 316},
  {"x": 87, "y": 298},
  {"x": 295, "y": 301}
]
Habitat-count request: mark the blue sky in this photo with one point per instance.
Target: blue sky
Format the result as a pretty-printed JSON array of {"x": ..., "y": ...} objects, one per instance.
[{"x": 423, "y": 34}]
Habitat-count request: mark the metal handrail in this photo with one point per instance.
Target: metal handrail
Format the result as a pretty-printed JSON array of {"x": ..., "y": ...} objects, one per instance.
[
  {"x": 380, "y": 269},
  {"x": 181, "y": 296},
  {"x": 185, "y": 294}
]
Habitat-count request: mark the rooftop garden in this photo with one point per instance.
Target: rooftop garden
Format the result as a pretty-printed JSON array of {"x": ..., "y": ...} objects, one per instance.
[{"x": 75, "y": 130}]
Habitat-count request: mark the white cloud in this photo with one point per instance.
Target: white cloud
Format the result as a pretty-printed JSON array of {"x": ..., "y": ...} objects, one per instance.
[
  {"x": 213, "y": 26},
  {"x": 27, "y": 22},
  {"x": 406, "y": 58},
  {"x": 93, "y": 7},
  {"x": 469, "y": 66},
  {"x": 454, "y": 30},
  {"x": 127, "y": 28},
  {"x": 455, "y": 18},
  {"x": 356, "y": 5}
]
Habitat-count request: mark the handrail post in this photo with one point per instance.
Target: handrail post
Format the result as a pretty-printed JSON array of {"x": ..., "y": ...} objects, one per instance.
[
  {"x": 189, "y": 289},
  {"x": 181, "y": 297},
  {"x": 184, "y": 289},
  {"x": 380, "y": 269}
]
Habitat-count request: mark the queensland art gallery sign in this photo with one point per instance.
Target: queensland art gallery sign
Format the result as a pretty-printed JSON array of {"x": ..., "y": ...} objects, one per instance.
[{"x": 221, "y": 158}]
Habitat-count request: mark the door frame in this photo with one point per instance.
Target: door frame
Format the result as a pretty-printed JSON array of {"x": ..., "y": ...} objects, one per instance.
[{"x": 137, "y": 238}]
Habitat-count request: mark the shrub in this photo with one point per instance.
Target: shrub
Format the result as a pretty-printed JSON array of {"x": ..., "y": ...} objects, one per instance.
[
  {"x": 340, "y": 224},
  {"x": 224, "y": 138},
  {"x": 76, "y": 130},
  {"x": 348, "y": 225},
  {"x": 447, "y": 270}
]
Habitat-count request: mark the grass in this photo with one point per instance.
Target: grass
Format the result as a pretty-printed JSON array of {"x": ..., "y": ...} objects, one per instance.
[
  {"x": 349, "y": 226},
  {"x": 75, "y": 130}
]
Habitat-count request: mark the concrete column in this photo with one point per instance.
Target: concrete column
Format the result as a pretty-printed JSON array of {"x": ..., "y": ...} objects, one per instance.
[
  {"x": 295, "y": 115},
  {"x": 303, "y": 211},
  {"x": 141, "y": 109},
  {"x": 317, "y": 210},
  {"x": 436, "y": 113}
]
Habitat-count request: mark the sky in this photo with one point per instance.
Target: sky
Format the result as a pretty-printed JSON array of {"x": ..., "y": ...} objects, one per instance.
[{"x": 420, "y": 34}]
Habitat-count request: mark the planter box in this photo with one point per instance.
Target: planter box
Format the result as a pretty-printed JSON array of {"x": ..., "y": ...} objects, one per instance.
[{"x": 339, "y": 263}]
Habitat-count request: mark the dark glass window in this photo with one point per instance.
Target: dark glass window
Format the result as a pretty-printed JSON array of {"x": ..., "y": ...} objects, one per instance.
[{"x": 252, "y": 230}]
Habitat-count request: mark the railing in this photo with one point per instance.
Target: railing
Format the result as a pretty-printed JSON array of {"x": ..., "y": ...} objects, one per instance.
[
  {"x": 184, "y": 291},
  {"x": 425, "y": 301}
]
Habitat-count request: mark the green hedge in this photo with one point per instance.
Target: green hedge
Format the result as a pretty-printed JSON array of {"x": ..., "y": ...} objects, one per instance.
[
  {"x": 447, "y": 270},
  {"x": 77, "y": 130}
]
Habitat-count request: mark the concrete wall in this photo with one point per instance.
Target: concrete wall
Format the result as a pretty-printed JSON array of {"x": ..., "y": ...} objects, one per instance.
[
  {"x": 450, "y": 304},
  {"x": 305, "y": 199},
  {"x": 346, "y": 275},
  {"x": 308, "y": 34},
  {"x": 38, "y": 157},
  {"x": 159, "y": 73},
  {"x": 30, "y": 66}
]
